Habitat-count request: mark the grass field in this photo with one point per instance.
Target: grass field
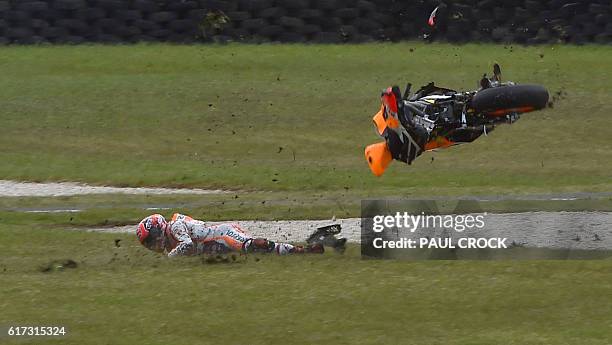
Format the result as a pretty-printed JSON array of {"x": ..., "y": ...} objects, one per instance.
[
  {"x": 283, "y": 127},
  {"x": 291, "y": 117},
  {"x": 126, "y": 295}
]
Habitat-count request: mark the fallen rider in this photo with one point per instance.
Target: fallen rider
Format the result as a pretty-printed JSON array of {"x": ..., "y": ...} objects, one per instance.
[{"x": 184, "y": 235}]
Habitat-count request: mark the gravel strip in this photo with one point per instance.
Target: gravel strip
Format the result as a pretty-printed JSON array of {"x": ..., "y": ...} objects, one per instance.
[
  {"x": 13, "y": 188},
  {"x": 575, "y": 230}
]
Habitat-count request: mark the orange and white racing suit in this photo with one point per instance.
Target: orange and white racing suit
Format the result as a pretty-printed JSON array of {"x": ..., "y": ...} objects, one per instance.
[{"x": 188, "y": 236}]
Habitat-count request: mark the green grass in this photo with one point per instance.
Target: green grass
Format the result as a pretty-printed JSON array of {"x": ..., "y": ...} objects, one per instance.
[
  {"x": 127, "y": 295},
  {"x": 218, "y": 116},
  {"x": 108, "y": 210}
]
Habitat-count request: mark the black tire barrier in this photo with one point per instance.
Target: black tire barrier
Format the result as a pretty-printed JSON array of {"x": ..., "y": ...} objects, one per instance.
[
  {"x": 292, "y": 37},
  {"x": 253, "y": 24},
  {"x": 90, "y": 14},
  {"x": 291, "y": 23},
  {"x": 327, "y": 37},
  {"x": 113, "y": 5},
  {"x": 237, "y": 16},
  {"x": 325, "y": 21},
  {"x": 32, "y": 6},
  {"x": 365, "y": 6},
  {"x": 69, "y": 4},
  {"x": 163, "y": 17},
  {"x": 17, "y": 16},
  {"x": 182, "y": 25},
  {"x": 182, "y": 6},
  {"x": 326, "y": 5},
  {"x": 271, "y": 31},
  {"x": 272, "y": 12},
  {"x": 19, "y": 33},
  {"x": 146, "y": 26},
  {"x": 295, "y": 5},
  {"x": 225, "y": 6},
  {"x": 310, "y": 13},
  {"x": 129, "y": 15},
  {"x": 347, "y": 13},
  {"x": 308, "y": 29},
  {"x": 145, "y": 6},
  {"x": 52, "y": 33}
]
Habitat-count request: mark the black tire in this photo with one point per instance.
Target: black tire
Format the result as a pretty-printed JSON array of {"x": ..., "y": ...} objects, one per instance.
[
  {"x": 182, "y": 5},
  {"x": 310, "y": 13},
  {"x": 326, "y": 5},
  {"x": 270, "y": 31},
  {"x": 104, "y": 38},
  {"x": 17, "y": 16},
  {"x": 182, "y": 25},
  {"x": 347, "y": 13},
  {"x": 129, "y": 15},
  {"x": 131, "y": 31},
  {"x": 253, "y": 24},
  {"x": 147, "y": 6},
  {"x": 72, "y": 39},
  {"x": 236, "y": 16},
  {"x": 367, "y": 26},
  {"x": 292, "y": 37},
  {"x": 291, "y": 22},
  {"x": 146, "y": 25},
  {"x": 90, "y": 14},
  {"x": 198, "y": 15},
  {"x": 160, "y": 34},
  {"x": 69, "y": 4},
  {"x": 224, "y": 6},
  {"x": 295, "y": 5},
  {"x": 366, "y": 6},
  {"x": 162, "y": 17},
  {"x": 510, "y": 97},
  {"x": 19, "y": 33},
  {"x": 52, "y": 33},
  {"x": 258, "y": 5},
  {"x": 327, "y": 37},
  {"x": 112, "y": 5},
  {"x": 272, "y": 13},
  {"x": 109, "y": 24},
  {"x": 347, "y": 31},
  {"x": 37, "y": 24},
  {"x": 308, "y": 29},
  {"x": 32, "y": 6}
]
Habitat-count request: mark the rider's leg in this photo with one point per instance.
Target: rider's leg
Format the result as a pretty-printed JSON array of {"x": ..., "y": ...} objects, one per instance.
[{"x": 264, "y": 245}]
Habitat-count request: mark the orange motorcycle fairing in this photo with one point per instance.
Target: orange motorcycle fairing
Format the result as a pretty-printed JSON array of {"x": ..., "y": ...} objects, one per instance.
[
  {"x": 438, "y": 143},
  {"x": 379, "y": 121},
  {"x": 378, "y": 157}
]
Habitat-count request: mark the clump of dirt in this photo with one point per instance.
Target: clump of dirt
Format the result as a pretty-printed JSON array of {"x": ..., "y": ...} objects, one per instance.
[
  {"x": 58, "y": 265},
  {"x": 220, "y": 259},
  {"x": 557, "y": 96}
]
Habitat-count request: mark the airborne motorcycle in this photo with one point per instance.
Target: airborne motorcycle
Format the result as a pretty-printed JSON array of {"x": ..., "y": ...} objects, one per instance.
[{"x": 436, "y": 117}]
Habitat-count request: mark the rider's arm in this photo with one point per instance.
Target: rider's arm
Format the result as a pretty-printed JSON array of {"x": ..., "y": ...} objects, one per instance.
[{"x": 181, "y": 234}]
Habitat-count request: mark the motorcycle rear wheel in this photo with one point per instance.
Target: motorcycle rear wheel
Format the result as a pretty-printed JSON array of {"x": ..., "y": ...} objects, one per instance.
[{"x": 499, "y": 101}]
